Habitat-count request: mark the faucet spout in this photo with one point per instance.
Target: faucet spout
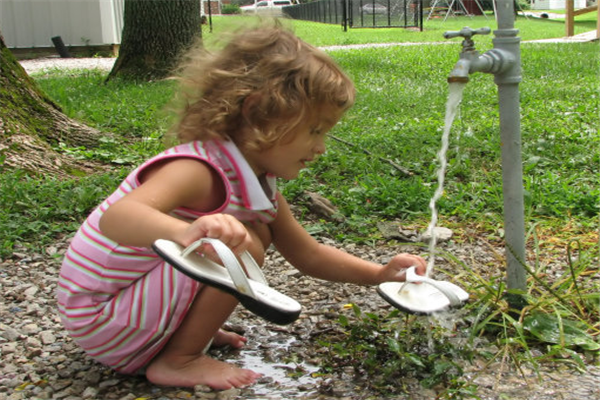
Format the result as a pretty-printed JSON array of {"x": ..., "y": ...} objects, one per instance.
[
  {"x": 494, "y": 61},
  {"x": 460, "y": 72}
]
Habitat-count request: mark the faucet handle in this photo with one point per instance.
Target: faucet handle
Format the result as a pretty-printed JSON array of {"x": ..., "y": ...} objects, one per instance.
[{"x": 467, "y": 33}]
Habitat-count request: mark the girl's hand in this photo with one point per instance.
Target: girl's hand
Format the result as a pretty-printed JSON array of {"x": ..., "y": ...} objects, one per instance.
[
  {"x": 395, "y": 270},
  {"x": 226, "y": 228}
]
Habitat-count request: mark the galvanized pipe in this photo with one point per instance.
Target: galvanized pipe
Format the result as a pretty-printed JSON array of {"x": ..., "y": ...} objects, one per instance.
[
  {"x": 506, "y": 39},
  {"x": 504, "y": 61}
]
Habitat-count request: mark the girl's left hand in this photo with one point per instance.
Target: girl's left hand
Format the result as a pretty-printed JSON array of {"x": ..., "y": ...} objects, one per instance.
[{"x": 395, "y": 270}]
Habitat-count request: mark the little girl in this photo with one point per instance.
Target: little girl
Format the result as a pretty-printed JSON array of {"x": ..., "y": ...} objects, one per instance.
[{"x": 257, "y": 110}]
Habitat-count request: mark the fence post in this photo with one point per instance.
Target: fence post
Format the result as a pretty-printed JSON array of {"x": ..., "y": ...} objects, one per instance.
[
  {"x": 569, "y": 20},
  {"x": 420, "y": 7},
  {"x": 345, "y": 15}
]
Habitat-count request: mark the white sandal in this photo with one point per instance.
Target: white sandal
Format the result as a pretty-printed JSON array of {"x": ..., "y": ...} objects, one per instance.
[
  {"x": 422, "y": 295},
  {"x": 250, "y": 288}
]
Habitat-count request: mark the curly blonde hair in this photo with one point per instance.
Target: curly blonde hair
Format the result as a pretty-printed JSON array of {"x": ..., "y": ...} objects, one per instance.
[{"x": 285, "y": 77}]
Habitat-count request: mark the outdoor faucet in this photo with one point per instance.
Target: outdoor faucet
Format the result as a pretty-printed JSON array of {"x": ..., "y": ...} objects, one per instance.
[
  {"x": 504, "y": 61},
  {"x": 494, "y": 61}
]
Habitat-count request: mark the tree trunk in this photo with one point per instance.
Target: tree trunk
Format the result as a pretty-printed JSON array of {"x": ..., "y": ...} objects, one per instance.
[
  {"x": 30, "y": 124},
  {"x": 155, "y": 32}
]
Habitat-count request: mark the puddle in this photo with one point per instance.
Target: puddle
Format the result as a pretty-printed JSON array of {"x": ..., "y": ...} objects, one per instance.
[{"x": 283, "y": 378}]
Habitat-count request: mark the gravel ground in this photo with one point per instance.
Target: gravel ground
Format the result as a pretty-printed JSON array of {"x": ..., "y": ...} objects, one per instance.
[
  {"x": 39, "y": 360},
  {"x": 40, "y": 64}
]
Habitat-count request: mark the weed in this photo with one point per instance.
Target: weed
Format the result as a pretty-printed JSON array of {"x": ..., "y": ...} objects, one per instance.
[{"x": 387, "y": 351}]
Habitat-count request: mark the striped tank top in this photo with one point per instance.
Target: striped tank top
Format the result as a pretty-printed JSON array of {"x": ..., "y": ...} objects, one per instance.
[{"x": 121, "y": 303}]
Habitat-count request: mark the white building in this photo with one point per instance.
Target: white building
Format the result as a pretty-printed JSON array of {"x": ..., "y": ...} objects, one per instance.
[
  {"x": 33, "y": 23},
  {"x": 555, "y": 4}
]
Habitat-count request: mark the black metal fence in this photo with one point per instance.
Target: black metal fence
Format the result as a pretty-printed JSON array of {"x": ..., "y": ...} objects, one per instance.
[
  {"x": 326, "y": 11},
  {"x": 361, "y": 13}
]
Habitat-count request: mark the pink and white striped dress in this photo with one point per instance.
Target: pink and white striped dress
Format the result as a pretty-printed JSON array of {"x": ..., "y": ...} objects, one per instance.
[{"x": 120, "y": 303}]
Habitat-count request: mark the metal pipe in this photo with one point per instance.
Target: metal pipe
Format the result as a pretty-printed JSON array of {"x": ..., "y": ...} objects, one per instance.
[
  {"x": 506, "y": 40},
  {"x": 504, "y": 61}
]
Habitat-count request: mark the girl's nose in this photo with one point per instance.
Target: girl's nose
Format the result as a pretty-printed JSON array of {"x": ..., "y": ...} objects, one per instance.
[{"x": 320, "y": 147}]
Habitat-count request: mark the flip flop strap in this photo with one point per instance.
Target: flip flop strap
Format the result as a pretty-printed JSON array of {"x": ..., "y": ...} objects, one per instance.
[
  {"x": 452, "y": 297},
  {"x": 252, "y": 269},
  {"x": 230, "y": 262},
  {"x": 412, "y": 277}
]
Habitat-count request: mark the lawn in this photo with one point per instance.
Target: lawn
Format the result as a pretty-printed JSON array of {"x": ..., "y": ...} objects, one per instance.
[
  {"x": 328, "y": 35},
  {"x": 398, "y": 116}
]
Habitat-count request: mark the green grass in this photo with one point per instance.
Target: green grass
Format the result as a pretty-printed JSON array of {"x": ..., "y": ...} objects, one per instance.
[
  {"x": 398, "y": 116},
  {"x": 37, "y": 210},
  {"x": 329, "y": 35},
  {"x": 129, "y": 109},
  {"x": 558, "y": 325}
]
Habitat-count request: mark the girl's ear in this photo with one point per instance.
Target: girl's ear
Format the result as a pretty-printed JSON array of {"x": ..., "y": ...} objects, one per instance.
[{"x": 248, "y": 134}]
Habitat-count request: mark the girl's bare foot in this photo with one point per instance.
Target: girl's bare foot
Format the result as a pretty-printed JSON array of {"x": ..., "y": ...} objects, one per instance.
[
  {"x": 226, "y": 338},
  {"x": 202, "y": 370}
]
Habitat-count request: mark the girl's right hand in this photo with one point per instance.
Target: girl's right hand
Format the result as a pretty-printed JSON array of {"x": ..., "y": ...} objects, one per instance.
[{"x": 224, "y": 227}]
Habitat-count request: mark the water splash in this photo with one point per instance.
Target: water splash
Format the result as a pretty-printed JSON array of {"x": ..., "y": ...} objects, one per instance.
[{"x": 455, "y": 92}]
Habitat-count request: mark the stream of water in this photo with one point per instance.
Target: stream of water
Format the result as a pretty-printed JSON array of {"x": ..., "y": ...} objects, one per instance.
[{"x": 455, "y": 92}]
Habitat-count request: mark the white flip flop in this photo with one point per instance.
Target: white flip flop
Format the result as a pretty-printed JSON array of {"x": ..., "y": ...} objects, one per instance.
[
  {"x": 422, "y": 295},
  {"x": 250, "y": 287}
]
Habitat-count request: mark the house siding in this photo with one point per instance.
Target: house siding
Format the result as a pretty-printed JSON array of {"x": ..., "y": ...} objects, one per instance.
[{"x": 33, "y": 23}]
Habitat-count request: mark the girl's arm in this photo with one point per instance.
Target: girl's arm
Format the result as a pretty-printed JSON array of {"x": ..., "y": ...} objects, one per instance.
[
  {"x": 329, "y": 263},
  {"x": 141, "y": 217}
]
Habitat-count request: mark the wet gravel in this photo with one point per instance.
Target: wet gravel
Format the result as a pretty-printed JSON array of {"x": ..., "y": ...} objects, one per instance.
[{"x": 39, "y": 360}]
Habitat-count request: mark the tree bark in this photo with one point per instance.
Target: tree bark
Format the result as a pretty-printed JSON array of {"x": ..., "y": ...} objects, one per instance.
[
  {"x": 155, "y": 33},
  {"x": 30, "y": 124}
]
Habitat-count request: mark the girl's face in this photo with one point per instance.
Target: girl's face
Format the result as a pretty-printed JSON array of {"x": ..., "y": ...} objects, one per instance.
[{"x": 305, "y": 143}]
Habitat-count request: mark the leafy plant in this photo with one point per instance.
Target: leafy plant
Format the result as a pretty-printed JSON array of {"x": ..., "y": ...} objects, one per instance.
[
  {"x": 385, "y": 351},
  {"x": 231, "y": 9}
]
